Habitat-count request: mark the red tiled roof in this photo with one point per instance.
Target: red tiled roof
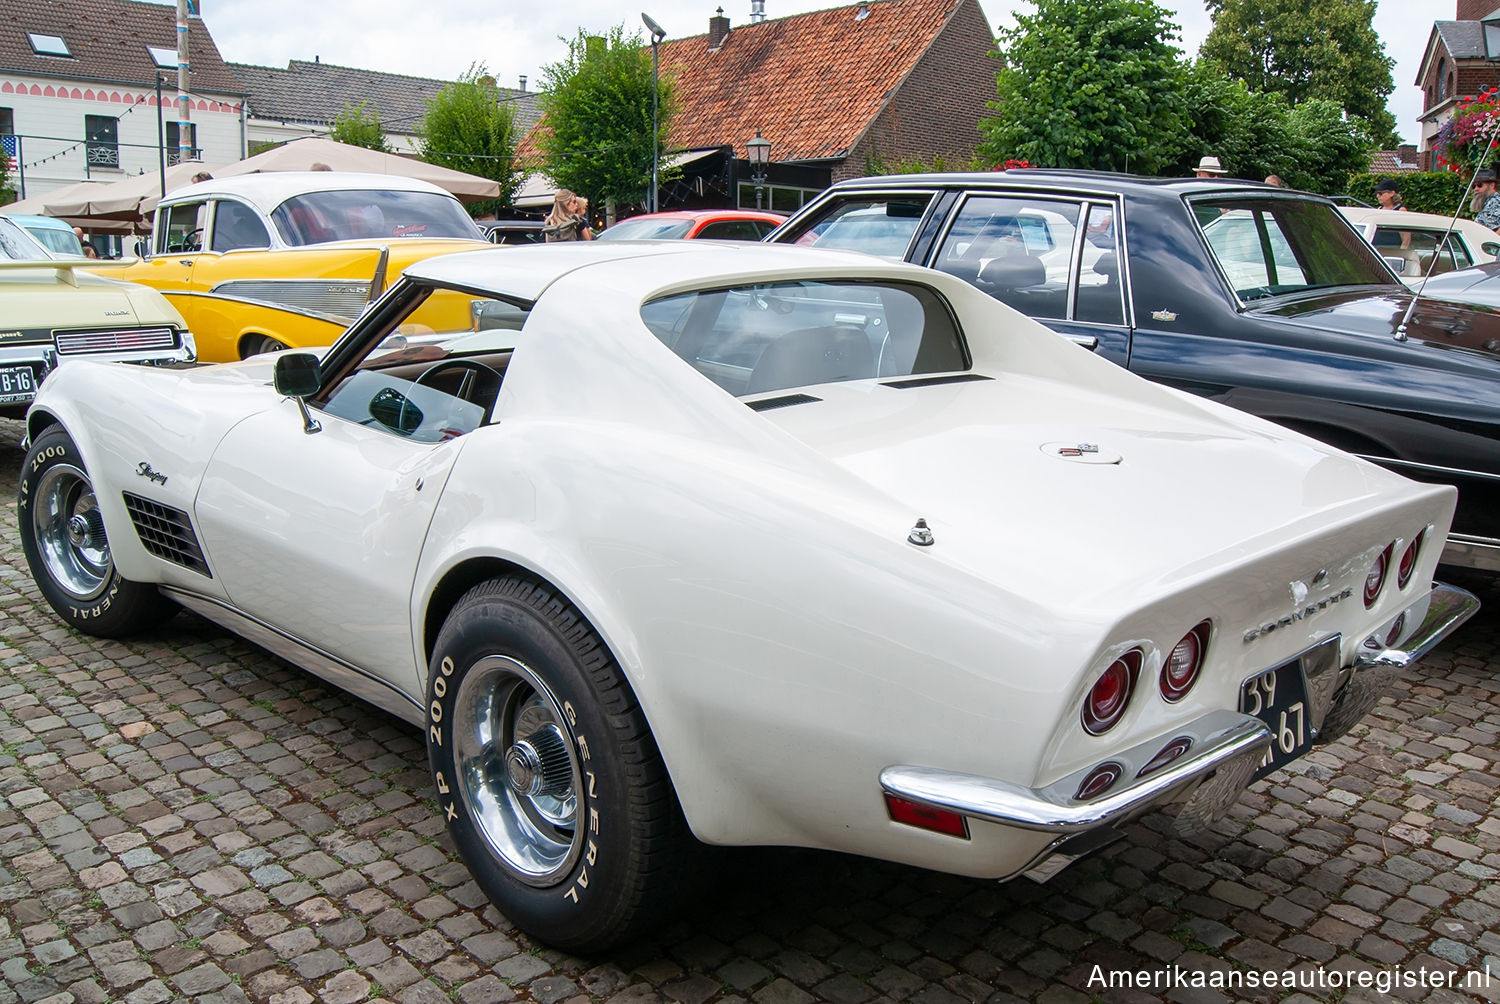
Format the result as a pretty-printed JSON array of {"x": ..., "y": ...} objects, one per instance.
[
  {"x": 108, "y": 40},
  {"x": 1388, "y": 162},
  {"x": 811, "y": 82}
]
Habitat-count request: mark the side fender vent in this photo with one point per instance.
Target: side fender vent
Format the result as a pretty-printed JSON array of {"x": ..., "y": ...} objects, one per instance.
[
  {"x": 784, "y": 401},
  {"x": 167, "y": 533}
]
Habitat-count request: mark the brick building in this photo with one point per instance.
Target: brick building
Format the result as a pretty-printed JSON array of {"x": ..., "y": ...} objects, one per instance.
[
  {"x": 1453, "y": 67},
  {"x": 838, "y": 93}
]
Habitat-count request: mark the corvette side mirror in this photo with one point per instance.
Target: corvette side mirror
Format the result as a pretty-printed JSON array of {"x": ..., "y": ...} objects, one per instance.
[{"x": 298, "y": 376}]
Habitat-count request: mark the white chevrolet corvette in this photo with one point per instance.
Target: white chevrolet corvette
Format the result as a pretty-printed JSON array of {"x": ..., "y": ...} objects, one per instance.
[{"x": 692, "y": 544}]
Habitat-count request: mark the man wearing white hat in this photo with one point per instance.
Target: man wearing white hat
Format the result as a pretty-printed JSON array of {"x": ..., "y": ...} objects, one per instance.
[{"x": 1209, "y": 167}]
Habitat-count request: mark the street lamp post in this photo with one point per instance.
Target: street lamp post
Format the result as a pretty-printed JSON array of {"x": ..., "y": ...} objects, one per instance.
[
  {"x": 758, "y": 152},
  {"x": 657, "y": 34}
]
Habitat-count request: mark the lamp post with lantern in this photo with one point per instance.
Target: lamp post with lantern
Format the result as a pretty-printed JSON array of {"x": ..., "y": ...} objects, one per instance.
[
  {"x": 657, "y": 34},
  {"x": 758, "y": 152}
]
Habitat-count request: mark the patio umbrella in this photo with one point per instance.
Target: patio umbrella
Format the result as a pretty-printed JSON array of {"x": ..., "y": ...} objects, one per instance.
[
  {"x": 302, "y": 154},
  {"x": 122, "y": 200},
  {"x": 36, "y": 205}
]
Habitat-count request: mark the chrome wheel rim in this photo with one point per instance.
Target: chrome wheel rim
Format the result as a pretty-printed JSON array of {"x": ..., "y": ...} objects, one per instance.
[
  {"x": 69, "y": 532},
  {"x": 518, "y": 769}
]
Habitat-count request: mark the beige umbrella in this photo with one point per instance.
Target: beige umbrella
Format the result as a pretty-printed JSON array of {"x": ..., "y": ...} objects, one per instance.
[
  {"x": 122, "y": 200},
  {"x": 303, "y": 154},
  {"x": 36, "y": 205}
]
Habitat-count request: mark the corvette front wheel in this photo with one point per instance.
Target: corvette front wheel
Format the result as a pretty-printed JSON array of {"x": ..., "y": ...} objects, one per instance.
[
  {"x": 62, "y": 536},
  {"x": 546, "y": 772}
]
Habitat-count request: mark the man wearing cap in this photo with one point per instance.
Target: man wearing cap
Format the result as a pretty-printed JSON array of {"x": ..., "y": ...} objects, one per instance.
[
  {"x": 1485, "y": 203},
  {"x": 1388, "y": 194},
  {"x": 1209, "y": 167}
]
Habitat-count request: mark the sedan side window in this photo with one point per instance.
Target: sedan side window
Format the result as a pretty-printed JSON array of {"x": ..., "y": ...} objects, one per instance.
[
  {"x": 1100, "y": 296},
  {"x": 184, "y": 229},
  {"x": 1018, "y": 250},
  {"x": 237, "y": 226},
  {"x": 881, "y": 225}
]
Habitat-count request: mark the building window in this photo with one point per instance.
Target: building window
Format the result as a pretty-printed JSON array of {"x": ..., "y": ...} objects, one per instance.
[
  {"x": 163, "y": 57},
  {"x": 1442, "y": 73},
  {"x": 102, "y": 133},
  {"x": 173, "y": 148},
  {"x": 7, "y": 122},
  {"x": 778, "y": 198},
  {"x": 47, "y": 45}
]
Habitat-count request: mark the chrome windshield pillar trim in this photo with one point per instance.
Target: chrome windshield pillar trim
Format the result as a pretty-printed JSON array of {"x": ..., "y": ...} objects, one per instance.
[
  {"x": 1217, "y": 739},
  {"x": 1441, "y": 612}
]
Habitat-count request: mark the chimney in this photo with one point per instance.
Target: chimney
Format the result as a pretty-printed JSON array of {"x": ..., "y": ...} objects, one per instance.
[
  {"x": 1407, "y": 153},
  {"x": 718, "y": 30},
  {"x": 523, "y": 81},
  {"x": 757, "y": 11},
  {"x": 1474, "y": 10}
]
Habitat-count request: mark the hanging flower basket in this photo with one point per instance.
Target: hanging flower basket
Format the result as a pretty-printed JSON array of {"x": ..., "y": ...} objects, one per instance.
[{"x": 1466, "y": 141}]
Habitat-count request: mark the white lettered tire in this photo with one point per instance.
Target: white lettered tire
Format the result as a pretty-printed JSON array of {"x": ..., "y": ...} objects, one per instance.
[
  {"x": 62, "y": 536},
  {"x": 546, "y": 772}
]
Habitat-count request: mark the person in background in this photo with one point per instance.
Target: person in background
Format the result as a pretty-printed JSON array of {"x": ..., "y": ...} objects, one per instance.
[
  {"x": 1275, "y": 179},
  {"x": 202, "y": 176},
  {"x": 569, "y": 219},
  {"x": 319, "y": 166},
  {"x": 1485, "y": 203},
  {"x": 1388, "y": 194},
  {"x": 1209, "y": 167},
  {"x": 89, "y": 251}
]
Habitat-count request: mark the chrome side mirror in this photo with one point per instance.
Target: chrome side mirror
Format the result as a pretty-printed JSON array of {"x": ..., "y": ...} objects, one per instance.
[
  {"x": 298, "y": 376},
  {"x": 141, "y": 248}
]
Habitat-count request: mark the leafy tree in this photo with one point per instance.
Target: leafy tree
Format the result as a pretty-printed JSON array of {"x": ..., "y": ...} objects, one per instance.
[
  {"x": 358, "y": 125},
  {"x": 7, "y": 194},
  {"x": 596, "y": 133},
  {"x": 1307, "y": 49},
  {"x": 468, "y": 128},
  {"x": 1326, "y": 145},
  {"x": 1089, "y": 84}
]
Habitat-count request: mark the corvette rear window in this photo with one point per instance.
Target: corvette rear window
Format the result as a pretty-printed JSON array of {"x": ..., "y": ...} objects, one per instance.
[{"x": 762, "y": 338}]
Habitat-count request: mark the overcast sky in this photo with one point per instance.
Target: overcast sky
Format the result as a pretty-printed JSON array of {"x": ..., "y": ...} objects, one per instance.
[{"x": 512, "y": 39}]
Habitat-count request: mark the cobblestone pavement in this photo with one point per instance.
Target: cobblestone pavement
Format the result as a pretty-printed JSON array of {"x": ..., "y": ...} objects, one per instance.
[{"x": 189, "y": 818}]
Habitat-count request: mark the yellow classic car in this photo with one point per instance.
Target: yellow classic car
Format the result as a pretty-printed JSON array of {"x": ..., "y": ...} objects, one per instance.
[{"x": 262, "y": 262}]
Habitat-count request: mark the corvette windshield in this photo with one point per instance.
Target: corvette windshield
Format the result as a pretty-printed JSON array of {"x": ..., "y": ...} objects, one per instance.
[
  {"x": 754, "y": 339},
  {"x": 1269, "y": 247},
  {"x": 321, "y": 217}
]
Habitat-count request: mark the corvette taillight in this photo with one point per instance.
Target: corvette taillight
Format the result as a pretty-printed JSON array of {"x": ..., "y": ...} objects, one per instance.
[
  {"x": 1110, "y": 693},
  {"x": 1375, "y": 581},
  {"x": 1099, "y": 780},
  {"x": 1180, "y": 669},
  {"x": 1409, "y": 560}
]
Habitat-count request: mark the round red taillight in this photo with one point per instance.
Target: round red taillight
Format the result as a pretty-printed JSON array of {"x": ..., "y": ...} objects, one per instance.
[
  {"x": 1098, "y": 781},
  {"x": 1409, "y": 560},
  {"x": 1397, "y": 628},
  {"x": 1110, "y": 694},
  {"x": 1180, "y": 670},
  {"x": 1375, "y": 581}
]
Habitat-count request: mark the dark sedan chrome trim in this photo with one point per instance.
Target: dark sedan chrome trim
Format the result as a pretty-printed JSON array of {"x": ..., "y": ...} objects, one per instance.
[
  {"x": 1468, "y": 551},
  {"x": 1218, "y": 739},
  {"x": 346, "y": 676}
]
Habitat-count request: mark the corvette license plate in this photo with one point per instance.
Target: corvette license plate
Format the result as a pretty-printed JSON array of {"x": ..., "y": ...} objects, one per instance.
[
  {"x": 1278, "y": 697},
  {"x": 16, "y": 384}
]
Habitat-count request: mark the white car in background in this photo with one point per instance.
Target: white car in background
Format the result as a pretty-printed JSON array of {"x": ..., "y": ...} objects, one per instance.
[
  {"x": 687, "y": 543},
  {"x": 1409, "y": 242}
]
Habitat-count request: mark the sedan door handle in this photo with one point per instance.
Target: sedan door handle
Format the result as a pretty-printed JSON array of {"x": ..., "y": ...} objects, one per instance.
[
  {"x": 1087, "y": 341},
  {"x": 185, "y": 261}
]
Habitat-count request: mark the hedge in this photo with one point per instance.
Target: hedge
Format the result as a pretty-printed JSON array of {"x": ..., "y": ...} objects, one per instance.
[{"x": 1421, "y": 191}]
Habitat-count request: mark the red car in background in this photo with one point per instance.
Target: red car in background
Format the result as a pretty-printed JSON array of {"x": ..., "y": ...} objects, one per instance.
[{"x": 698, "y": 224}]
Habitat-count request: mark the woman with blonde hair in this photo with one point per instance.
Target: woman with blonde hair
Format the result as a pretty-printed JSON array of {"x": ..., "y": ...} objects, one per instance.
[{"x": 568, "y": 220}]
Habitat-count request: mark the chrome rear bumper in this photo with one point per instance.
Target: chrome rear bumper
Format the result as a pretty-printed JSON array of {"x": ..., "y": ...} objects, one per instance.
[{"x": 1222, "y": 753}]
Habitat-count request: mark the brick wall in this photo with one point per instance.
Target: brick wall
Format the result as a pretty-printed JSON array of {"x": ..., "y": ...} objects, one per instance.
[
  {"x": 936, "y": 109},
  {"x": 1474, "y": 10}
]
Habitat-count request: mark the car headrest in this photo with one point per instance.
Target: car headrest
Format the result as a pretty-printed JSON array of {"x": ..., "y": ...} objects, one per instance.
[{"x": 1107, "y": 265}]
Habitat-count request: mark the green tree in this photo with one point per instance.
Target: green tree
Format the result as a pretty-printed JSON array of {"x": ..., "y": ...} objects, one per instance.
[
  {"x": 359, "y": 125},
  {"x": 469, "y": 128},
  {"x": 1306, "y": 49},
  {"x": 1089, "y": 84},
  {"x": 596, "y": 136},
  {"x": 1326, "y": 145},
  {"x": 7, "y": 194},
  {"x": 1245, "y": 129}
]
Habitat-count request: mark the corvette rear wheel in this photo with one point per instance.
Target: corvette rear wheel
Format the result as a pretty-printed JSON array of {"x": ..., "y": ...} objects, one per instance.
[
  {"x": 546, "y": 772},
  {"x": 62, "y": 536}
]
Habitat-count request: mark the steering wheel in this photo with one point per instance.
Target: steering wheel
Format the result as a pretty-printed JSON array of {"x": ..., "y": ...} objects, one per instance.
[{"x": 473, "y": 367}]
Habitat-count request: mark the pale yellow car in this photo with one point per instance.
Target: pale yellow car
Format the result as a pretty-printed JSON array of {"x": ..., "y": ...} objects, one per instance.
[
  {"x": 53, "y": 311},
  {"x": 262, "y": 262}
]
